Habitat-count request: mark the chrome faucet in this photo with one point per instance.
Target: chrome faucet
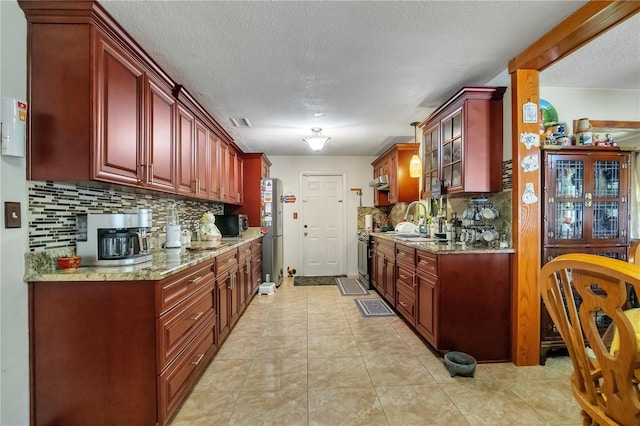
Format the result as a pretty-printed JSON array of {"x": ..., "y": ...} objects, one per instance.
[{"x": 411, "y": 204}]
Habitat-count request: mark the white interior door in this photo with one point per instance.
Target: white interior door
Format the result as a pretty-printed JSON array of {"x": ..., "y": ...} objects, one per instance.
[{"x": 322, "y": 223}]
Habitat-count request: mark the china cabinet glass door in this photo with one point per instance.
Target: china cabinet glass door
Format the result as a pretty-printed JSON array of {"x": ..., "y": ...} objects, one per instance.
[
  {"x": 587, "y": 202},
  {"x": 607, "y": 200},
  {"x": 566, "y": 201}
]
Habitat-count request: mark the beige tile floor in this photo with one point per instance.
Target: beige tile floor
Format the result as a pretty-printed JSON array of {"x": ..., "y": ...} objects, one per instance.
[{"x": 305, "y": 356}]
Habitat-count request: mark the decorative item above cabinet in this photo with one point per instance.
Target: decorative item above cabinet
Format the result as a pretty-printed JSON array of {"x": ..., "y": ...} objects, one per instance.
[
  {"x": 462, "y": 143},
  {"x": 391, "y": 174}
]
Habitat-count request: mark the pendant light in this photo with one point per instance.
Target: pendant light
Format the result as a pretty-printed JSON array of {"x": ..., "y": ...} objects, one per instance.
[
  {"x": 317, "y": 141},
  {"x": 415, "y": 165}
]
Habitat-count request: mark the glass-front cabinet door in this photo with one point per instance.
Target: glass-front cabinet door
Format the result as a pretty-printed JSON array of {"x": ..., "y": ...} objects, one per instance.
[
  {"x": 587, "y": 200},
  {"x": 431, "y": 149},
  {"x": 452, "y": 151},
  {"x": 608, "y": 201}
]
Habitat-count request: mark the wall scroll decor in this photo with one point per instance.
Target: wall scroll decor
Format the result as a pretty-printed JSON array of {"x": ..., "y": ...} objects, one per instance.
[{"x": 530, "y": 113}]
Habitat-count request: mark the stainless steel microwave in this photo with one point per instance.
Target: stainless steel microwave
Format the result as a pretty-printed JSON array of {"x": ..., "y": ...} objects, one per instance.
[{"x": 232, "y": 225}]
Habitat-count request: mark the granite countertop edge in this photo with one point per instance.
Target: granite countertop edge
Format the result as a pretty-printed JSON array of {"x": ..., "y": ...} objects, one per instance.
[
  {"x": 443, "y": 248},
  {"x": 164, "y": 263}
]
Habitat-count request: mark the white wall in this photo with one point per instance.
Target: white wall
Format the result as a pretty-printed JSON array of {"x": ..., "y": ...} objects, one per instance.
[
  {"x": 358, "y": 172},
  {"x": 14, "y": 344},
  {"x": 596, "y": 104}
]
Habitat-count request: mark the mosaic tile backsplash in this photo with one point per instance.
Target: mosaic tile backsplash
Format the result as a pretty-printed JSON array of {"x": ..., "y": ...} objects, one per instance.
[{"x": 53, "y": 207}]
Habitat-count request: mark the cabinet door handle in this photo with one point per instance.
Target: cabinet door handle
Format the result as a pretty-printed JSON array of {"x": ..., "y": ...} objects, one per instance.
[
  {"x": 587, "y": 199},
  {"x": 197, "y": 361},
  {"x": 403, "y": 276},
  {"x": 197, "y": 316},
  {"x": 150, "y": 173},
  {"x": 403, "y": 304},
  {"x": 195, "y": 280}
]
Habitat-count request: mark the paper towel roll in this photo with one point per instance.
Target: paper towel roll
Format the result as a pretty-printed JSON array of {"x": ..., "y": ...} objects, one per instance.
[{"x": 368, "y": 222}]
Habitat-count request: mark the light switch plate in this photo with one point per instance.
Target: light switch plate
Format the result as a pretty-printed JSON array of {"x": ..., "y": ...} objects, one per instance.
[{"x": 12, "y": 216}]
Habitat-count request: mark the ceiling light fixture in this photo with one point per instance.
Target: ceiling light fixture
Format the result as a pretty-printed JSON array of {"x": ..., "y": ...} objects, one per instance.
[
  {"x": 415, "y": 165},
  {"x": 317, "y": 141}
]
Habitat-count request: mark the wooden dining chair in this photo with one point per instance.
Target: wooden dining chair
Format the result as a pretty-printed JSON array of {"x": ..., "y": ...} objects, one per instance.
[
  {"x": 634, "y": 252},
  {"x": 579, "y": 290}
]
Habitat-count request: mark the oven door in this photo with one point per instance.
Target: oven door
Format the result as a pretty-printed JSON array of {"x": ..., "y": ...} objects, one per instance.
[{"x": 363, "y": 261}]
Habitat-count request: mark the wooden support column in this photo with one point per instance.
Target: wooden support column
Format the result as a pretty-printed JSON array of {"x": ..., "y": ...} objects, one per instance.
[
  {"x": 586, "y": 24},
  {"x": 526, "y": 219}
]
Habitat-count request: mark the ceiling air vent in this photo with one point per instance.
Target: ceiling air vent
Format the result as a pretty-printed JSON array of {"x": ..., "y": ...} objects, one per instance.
[{"x": 240, "y": 122}]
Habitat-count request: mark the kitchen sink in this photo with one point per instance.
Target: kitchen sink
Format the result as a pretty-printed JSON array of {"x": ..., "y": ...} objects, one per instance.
[{"x": 413, "y": 237}]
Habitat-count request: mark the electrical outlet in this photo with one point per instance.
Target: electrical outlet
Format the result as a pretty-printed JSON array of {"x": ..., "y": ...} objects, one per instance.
[{"x": 12, "y": 217}]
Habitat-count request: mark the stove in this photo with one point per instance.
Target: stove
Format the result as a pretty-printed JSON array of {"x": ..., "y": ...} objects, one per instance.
[{"x": 364, "y": 257}]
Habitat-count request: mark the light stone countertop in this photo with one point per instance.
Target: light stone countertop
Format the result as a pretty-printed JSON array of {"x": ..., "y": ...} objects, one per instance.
[
  {"x": 442, "y": 248},
  {"x": 165, "y": 263}
]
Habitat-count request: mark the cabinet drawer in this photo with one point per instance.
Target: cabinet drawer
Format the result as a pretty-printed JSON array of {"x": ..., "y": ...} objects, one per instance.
[
  {"x": 176, "y": 380},
  {"x": 182, "y": 285},
  {"x": 427, "y": 262},
  {"x": 244, "y": 252},
  {"x": 406, "y": 285},
  {"x": 405, "y": 275},
  {"x": 180, "y": 325},
  {"x": 406, "y": 255},
  {"x": 405, "y": 303},
  {"x": 226, "y": 261},
  {"x": 384, "y": 246}
]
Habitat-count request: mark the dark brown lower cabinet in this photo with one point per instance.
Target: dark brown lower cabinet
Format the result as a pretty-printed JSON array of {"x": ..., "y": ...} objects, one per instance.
[
  {"x": 463, "y": 303},
  {"x": 119, "y": 352},
  {"x": 383, "y": 269}
]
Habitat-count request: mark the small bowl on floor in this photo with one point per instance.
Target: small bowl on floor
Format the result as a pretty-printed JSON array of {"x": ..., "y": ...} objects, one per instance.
[
  {"x": 460, "y": 364},
  {"x": 71, "y": 262}
]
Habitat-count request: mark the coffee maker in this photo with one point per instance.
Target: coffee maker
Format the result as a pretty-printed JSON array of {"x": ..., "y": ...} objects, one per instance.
[{"x": 114, "y": 239}]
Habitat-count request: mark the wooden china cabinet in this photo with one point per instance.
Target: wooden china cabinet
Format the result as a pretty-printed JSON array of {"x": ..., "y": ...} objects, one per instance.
[
  {"x": 586, "y": 210},
  {"x": 462, "y": 143}
]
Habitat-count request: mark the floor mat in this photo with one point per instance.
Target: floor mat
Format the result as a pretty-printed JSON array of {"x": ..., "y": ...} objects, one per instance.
[
  {"x": 324, "y": 280},
  {"x": 374, "y": 308},
  {"x": 351, "y": 287}
]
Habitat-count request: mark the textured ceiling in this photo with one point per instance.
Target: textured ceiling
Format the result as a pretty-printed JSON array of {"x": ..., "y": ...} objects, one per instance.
[
  {"x": 361, "y": 70},
  {"x": 612, "y": 61}
]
